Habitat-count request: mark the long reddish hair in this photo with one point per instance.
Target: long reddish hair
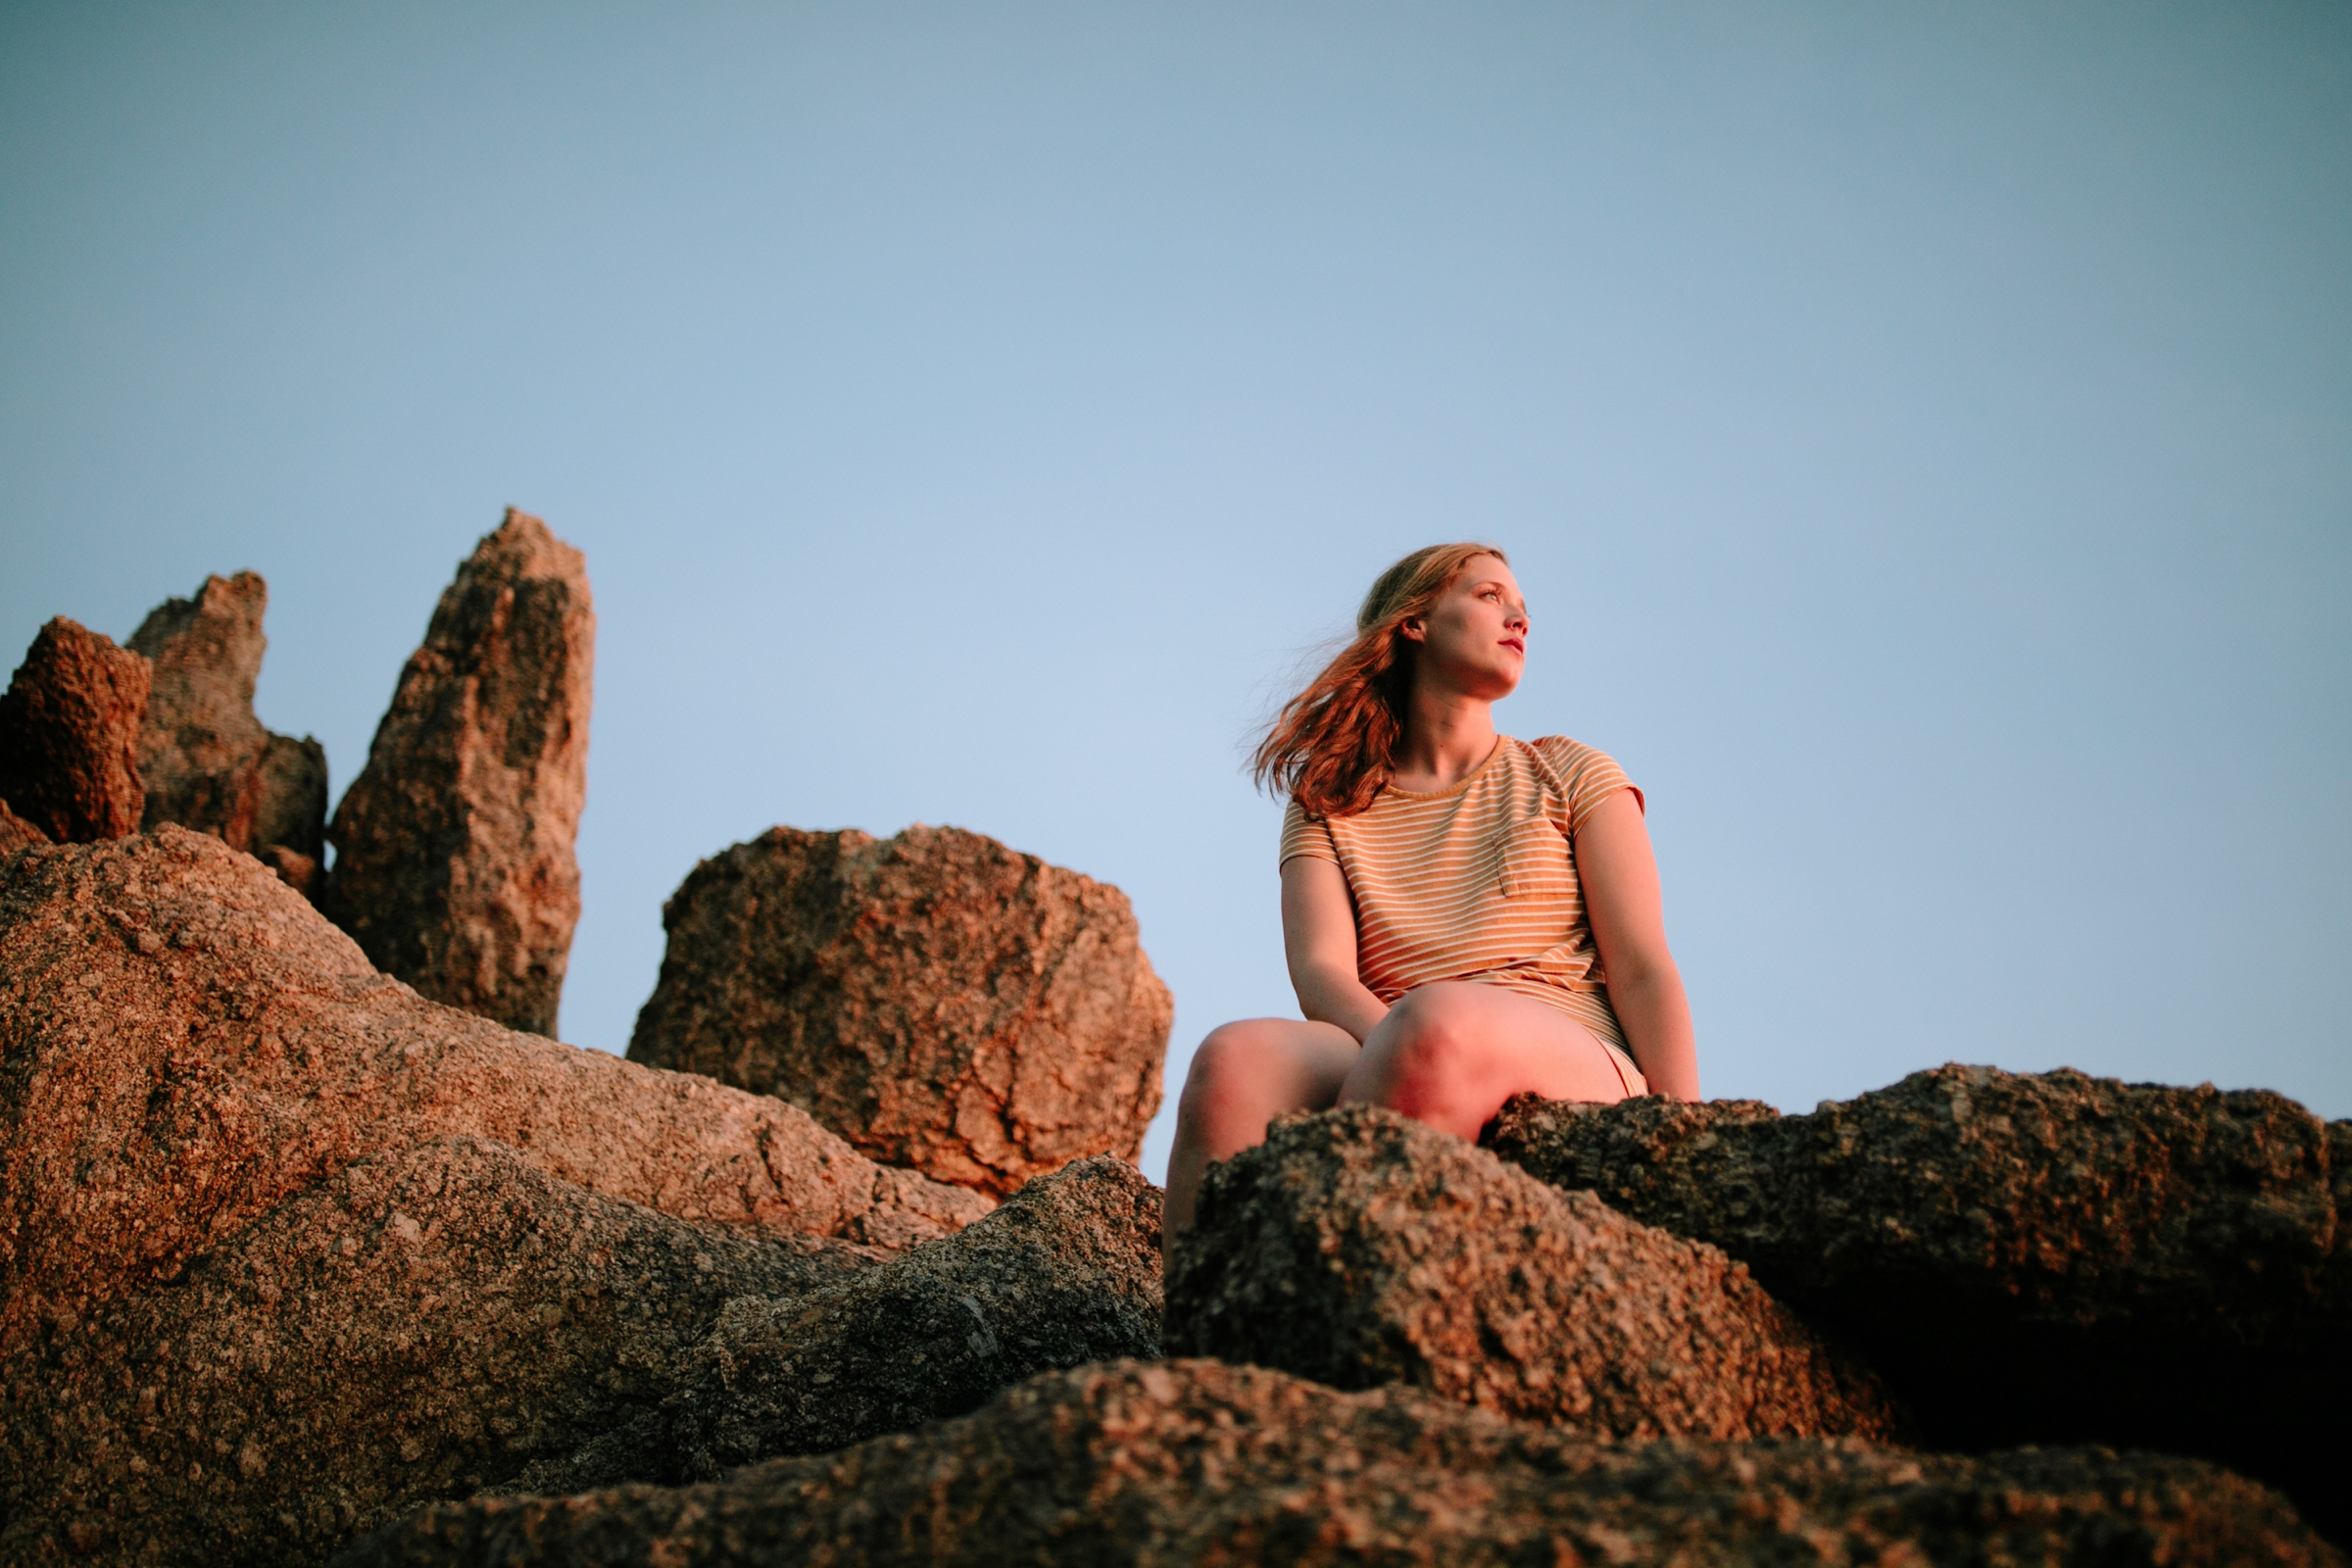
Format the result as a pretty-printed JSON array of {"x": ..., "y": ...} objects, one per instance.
[{"x": 1331, "y": 747}]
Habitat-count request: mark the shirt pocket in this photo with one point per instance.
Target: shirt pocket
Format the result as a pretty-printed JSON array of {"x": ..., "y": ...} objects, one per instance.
[{"x": 1536, "y": 860}]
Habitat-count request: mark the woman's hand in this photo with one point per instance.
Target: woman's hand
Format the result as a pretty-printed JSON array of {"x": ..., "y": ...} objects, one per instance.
[
  {"x": 1620, "y": 878},
  {"x": 1318, "y": 938}
]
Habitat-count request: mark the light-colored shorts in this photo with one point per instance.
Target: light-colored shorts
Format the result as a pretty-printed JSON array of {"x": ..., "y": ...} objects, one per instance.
[{"x": 1627, "y": 1073}]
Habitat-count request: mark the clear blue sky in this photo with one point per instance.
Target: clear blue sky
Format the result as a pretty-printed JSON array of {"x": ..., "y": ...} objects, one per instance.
[{"x": 1925, "y": 435}]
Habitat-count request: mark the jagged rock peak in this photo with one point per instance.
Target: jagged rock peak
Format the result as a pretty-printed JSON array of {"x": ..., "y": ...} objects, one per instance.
[
  {"x": 69, "y": 736},
  {"x": 456, "y": 868},
  {"x": 206, "y": 761}
]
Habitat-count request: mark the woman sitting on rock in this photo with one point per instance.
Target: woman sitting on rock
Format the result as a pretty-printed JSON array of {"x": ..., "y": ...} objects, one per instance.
[{"x": 1466, "y": 915}]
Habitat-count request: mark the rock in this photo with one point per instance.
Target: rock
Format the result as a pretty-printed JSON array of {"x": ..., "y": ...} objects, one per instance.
[
  {"x": 69, "y": 735},
  {"x": 2044, "y": 1259},
  {"x": 1196, "y": 1462},
  {"x": 16, "y": 833},
  {"x": 293, "y": 809},
  {"x": 1358, "y": 1248},
  {"x": 1066, "y": 1272},
  {"x": 937, "y": 999},
  {"x": 455, "y": 868},
  {"x": 206, "y": 761},
  {"x": 297, "y": 871},
  {"x": 185, "y": 1044},
  {"x": 419, "y": 1324}
]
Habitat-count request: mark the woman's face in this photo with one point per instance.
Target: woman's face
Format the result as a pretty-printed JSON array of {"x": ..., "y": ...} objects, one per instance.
[{"x": 1474, "y": 638}]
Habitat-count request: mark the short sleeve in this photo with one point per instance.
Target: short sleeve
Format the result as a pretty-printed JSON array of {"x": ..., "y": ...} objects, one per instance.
[
  {"x": 1586, "y": 777},
  {"x": 1308, "y": 836}
]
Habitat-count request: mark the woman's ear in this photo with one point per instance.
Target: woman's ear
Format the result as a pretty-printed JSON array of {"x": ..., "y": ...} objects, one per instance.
[{"x": 1411, "y": 626}]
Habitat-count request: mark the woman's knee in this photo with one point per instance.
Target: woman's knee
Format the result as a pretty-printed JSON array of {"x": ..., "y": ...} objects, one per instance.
[
  {"x": 1223, "y": 1059},
  {"x": 1439, "y": 1029},
  {"x": 1259, "y": 1067}
]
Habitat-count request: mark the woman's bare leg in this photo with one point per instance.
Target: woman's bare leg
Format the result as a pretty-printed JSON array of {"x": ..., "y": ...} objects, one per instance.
[
  {"x": 1451, "y": 1054},
  {"x": 1244, "y": 1077}
]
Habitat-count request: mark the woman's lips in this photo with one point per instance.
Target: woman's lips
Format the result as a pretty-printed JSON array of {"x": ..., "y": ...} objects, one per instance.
[{"x": 1515, "y": 645}]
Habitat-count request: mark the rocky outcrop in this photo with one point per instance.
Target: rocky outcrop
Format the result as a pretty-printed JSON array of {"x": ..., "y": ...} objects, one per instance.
[
  {"x": 292, "y": 818},
  {"x": 185, "y": 1045},
  {"x": 1066, "y": 1272},
  {"x": 454, "y": 867},
  {"x": 1196, "y": 1462},
  {"x": 207, "y": 761},
  {"x": 419, "y": 1325},
  {"x": 16, "y": 833},
  {"x": 1358, "y": 1248},
  {"x": 2025, "y": 1258},
  {"x": 938, "y": 1000},
  {"x": 69, "y": 736}
]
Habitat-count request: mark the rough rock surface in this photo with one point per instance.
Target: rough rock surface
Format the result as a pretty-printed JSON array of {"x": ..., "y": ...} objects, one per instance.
[
  {"x": 937, "y": 999},
  {"x": 2026, "y": 1259},
  {"x": 421, "y": 1324},
  {"x": 293, "y": 812},
  {"x": 1358, "y": 1248},
  {"x": 206, "y": 759},
  {"x": 16, "y": 833},
  {"x": 69, "y": 735},
  {"x": 1066, "y": 1272},
  {"x": 1195, "y": 1463},
  {"x": 185, "y": 1044},
  {"x": 454, "y": 867}
]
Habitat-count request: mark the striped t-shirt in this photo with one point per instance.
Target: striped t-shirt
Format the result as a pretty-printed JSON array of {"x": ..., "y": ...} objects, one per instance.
[{"x": 1477, "y": 882}]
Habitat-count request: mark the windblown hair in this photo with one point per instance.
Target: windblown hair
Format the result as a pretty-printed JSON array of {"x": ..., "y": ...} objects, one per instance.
[{"x": 1332, "y": 746}]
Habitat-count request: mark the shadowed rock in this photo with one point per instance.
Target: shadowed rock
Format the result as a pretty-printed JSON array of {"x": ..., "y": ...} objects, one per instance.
[
  {"x": 938, "y": 1000},
  {"x": 2025, "y": 1258},
  {"x": 206, "y": 759},
  {"x": 293, "y": 811},
  {"x": 1066, "y": 1272},
  {"x": 69, "y": 735},
  {"x": 184, "y": 1043},
  {"x": 419, "y": 1325},
  {"x": 1195, "y": 1462},
  {"x": 16, "y": 833},
  {"x": 455, "y": 865},
  {"x": 1358, "y": 1248}
]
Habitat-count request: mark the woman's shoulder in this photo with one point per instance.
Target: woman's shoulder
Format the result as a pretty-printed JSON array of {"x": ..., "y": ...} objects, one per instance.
[
  {"x": 1585, "y": 776},
  {"x": 1561, "y": 752}
]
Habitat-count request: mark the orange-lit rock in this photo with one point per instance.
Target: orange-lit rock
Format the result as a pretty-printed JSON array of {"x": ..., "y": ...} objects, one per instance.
[
  {"x": 69, "y": 735},
  {"x": 455, "y": 867},
  {"x": 940, "y": 1000}
]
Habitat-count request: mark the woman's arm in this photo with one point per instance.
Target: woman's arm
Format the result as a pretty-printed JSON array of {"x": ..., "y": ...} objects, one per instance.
[
  {"x": 1318, "y": 938},
  {"x": 1620, "y": 876}
]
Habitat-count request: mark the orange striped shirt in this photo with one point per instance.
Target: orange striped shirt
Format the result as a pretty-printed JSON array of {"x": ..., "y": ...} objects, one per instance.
[{"x": 1477, "y": 882}]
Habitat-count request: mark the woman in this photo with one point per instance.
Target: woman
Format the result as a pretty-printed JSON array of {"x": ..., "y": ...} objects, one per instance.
[{"x": 1466, "y": 915}]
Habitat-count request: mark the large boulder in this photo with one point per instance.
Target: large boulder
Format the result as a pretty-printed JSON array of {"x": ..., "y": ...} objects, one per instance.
[
  {"x": 207, "y": 761},
  {"x": 1066, "y": 1272},
  {"x": 455, "y": 868},
  {"x": 1150, "y": 1467},
  {"x": 419, "y": 1325},
  {"x": 2037, "y": 1258},
  {"x": 1358, "y": 1248},
  {"x": 69, "y": 736},
  {"x": 937, "y": 999},
  {"x": 185, "y": 1044}
]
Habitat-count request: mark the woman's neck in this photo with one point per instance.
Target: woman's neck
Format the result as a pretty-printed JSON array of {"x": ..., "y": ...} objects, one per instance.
[{"x": 1447, "y": 738}]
